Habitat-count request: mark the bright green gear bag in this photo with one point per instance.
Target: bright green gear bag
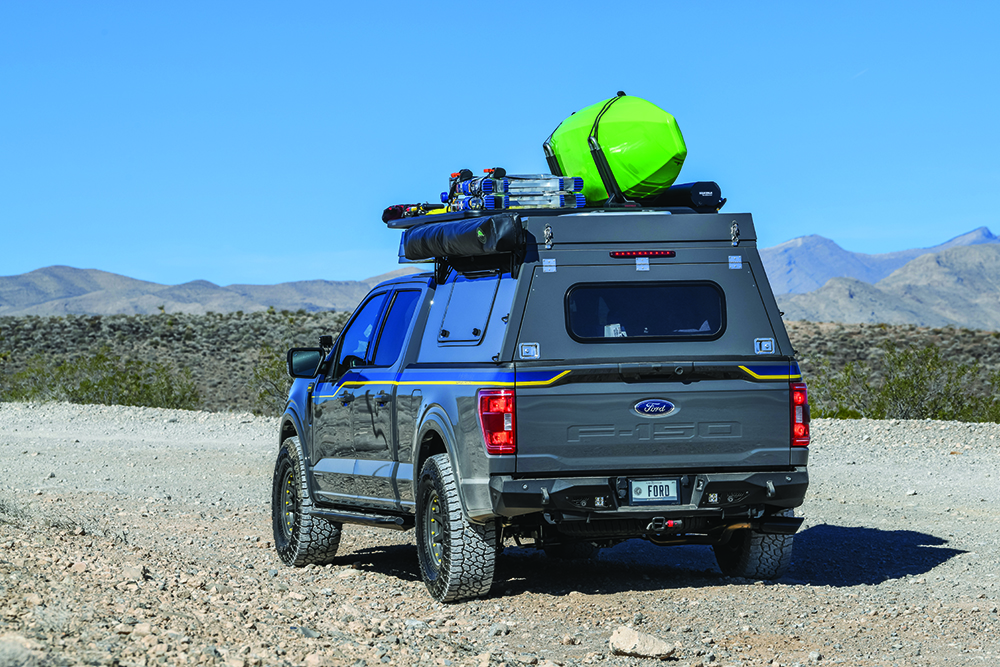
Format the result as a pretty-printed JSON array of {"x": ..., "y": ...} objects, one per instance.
[{"x": 624, "y": 148}]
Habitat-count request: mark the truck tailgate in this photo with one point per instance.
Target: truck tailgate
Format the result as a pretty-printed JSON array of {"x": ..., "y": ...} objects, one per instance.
[{"x": 597, "y": 420}]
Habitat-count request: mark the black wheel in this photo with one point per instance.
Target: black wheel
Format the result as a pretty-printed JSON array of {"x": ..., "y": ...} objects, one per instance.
[
  {"x": 570, "y": 550},
  {"x": 755, "y": 555},
  {"x": 457, "y": 557},
  {"x": 299, "y": 538}
]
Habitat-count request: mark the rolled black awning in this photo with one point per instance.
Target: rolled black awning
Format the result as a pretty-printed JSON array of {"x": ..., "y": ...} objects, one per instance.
[{"x": 475, "y": 237}]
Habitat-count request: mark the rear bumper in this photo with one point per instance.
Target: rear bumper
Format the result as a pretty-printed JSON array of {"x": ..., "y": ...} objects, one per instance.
[{"x": 705, "y": 495}]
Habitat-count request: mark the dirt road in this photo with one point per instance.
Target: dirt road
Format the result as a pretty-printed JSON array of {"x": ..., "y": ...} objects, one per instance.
[{"x": 142, "y": 537}]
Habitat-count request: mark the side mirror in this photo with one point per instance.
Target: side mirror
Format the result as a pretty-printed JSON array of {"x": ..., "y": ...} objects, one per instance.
[{"x": 303, "y": 362}]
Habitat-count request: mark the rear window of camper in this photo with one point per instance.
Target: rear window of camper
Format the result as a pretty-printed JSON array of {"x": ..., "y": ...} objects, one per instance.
[{"x": 622, "y": 312}]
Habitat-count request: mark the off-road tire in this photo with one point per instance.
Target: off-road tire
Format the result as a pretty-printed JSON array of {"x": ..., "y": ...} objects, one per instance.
[
  {"x": 457, "y": 557},
  {"x": 299, "y": 537},
  {"x": 571, "y": 550},
  {"x": 756, "y": 555}
]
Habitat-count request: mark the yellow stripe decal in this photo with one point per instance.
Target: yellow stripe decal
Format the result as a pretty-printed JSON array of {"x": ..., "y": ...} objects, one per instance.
[
  {"x": 784, "y": 376},
  {"x": 543, "y": 383},
  {"x": 472, "y": 383}
]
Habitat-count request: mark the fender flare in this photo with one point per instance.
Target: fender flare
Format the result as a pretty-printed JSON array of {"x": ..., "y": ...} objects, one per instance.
[
  {"x": 290, "y": 417},
  {"x": 435, "y": 419}
]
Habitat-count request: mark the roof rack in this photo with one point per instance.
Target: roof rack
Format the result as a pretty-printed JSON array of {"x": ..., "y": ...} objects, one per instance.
[{"x": 496, "y": 240}]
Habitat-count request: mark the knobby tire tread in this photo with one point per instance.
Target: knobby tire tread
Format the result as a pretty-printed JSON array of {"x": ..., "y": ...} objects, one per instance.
[
  {"x": 313, "y": 541},
  {"x": 756, "y": 555},
  {"x": 469, "y": 549}
]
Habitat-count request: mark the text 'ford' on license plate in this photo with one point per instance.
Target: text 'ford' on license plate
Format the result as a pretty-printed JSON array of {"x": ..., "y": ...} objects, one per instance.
[{"x": 653, "y": 491}]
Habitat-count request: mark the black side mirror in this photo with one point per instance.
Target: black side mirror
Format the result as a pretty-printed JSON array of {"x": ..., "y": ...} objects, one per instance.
[{"x": 303, "y": 362}]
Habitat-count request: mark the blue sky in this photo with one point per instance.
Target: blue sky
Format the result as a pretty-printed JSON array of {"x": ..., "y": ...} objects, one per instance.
[{"x": 259, "y": 142}]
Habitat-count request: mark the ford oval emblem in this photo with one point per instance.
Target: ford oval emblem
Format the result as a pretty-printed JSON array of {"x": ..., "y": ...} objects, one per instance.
[{"x": 654, "y": 407}]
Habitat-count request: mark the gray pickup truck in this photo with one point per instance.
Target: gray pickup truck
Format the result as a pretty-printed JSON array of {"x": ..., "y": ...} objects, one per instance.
[{"x": 575, "y": 379}]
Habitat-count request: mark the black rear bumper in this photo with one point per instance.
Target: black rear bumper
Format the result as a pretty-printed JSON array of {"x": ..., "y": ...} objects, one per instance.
[{"x": 704, "y": 495}]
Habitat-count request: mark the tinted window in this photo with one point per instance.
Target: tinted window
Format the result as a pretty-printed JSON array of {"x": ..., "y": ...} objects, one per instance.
[
  {"x": 396, "y": 324},
  {"x": 649, "y": 310},
  {"x": 355, "y": 341}
]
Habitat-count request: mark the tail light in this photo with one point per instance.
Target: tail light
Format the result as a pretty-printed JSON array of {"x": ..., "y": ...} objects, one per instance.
[
  {"x": 799, "y": 401},
  {"x": 496, "y": 416}
]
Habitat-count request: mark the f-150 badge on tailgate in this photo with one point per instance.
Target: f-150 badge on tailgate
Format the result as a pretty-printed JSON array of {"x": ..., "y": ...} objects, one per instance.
[{"x": 653, "y": 407}]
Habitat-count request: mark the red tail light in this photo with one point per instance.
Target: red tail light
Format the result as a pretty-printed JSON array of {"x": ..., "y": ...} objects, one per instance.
[
  {"x": 496, "y": 416},
  {"x": 799, "y": 401}
]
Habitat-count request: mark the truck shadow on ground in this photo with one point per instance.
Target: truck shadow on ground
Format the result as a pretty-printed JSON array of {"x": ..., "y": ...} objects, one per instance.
[
  {"x": 397, "y": 560},
  {"x": 829, "y": 555},
  {"x": 824, "y": 555}
]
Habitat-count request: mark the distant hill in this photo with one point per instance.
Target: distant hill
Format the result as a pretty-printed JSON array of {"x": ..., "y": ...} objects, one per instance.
[
  {"x": 954, "y": 283},
  {"x": 807, "y": 263},
  {"x": 959, "y": 286},
  {"x": 61, "y": 290}
]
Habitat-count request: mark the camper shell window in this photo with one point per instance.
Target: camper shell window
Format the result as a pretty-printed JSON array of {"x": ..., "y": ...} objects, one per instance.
[
  {"x": 646, "y": 311},
  {"x": 469, "y": 308}
]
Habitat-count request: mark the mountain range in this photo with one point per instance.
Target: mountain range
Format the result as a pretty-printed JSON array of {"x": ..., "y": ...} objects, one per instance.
[
  {"x": 60, "y": 290},
  {"x": 808, "y": 262},
  {"x": 951, "y": 284},
  {"x": 954, "y": 283},
  {"x": 958, "y": 287}
]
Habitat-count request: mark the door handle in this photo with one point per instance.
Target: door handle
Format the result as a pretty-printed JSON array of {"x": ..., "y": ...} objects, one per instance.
[
  {"x": 346, "y": 397},
  {"x": 382, "y": 398}
]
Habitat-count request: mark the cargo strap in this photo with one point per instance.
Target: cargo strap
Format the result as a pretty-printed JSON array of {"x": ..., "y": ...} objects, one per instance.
[{"x": 615, "y": 195}]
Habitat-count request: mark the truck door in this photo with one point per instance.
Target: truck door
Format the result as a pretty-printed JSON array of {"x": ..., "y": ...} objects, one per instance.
[
  {"x": 374, "y": 414},
  {"x": 334, "y": 402}
]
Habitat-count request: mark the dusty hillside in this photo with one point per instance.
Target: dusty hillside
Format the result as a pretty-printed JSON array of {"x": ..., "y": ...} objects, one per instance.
[
  {"x": 221, "y": 350},
  {"x": 842, "y": 343}
]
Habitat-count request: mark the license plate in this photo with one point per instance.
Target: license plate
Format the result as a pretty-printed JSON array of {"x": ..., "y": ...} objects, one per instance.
[{"x": 653, "y": 491}]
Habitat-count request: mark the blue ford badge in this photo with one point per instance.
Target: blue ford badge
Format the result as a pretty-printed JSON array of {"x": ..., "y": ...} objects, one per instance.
[{"x": 654, "y": 407}]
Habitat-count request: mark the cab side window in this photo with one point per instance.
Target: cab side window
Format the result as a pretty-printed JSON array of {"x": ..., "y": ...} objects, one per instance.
[
  {"x": 397, "y": 322},
  {"x": 355, "y": 343}
]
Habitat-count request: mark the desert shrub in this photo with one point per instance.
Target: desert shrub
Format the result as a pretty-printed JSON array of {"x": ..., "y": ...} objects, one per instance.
[
  {"x": 11, "y": 512},
  {"x": 907, "y": 383},
  {"x": 102, "y": 379},
  {"x": 270, "y": 381}
]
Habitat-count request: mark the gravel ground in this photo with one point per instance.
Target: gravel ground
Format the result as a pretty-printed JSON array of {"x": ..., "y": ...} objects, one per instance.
[{"x": 139, "y": 536}]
